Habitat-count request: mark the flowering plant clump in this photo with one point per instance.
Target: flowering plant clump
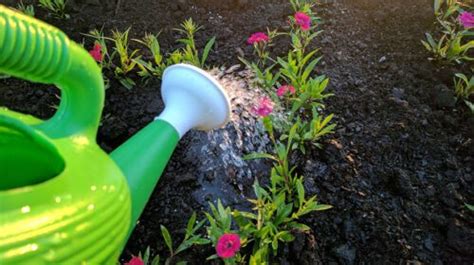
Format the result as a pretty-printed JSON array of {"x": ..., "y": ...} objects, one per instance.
[
  {"x": 126, "y": 63},
  {"x": 228, "y": 245},
  {"x": 455, "y": 28},
  {"x": 278, "y": 207}
]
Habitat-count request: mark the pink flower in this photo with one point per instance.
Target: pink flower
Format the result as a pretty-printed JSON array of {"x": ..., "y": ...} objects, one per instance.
[
  {"x": 285, "y": 89},
  {"x": 257, "y": 38},
  {"x": 96, "y": 53},
  {"x": 467, "y": 19},
  {"x": 303, "y": 20},
  {"x": 228, "y": 245},
  {"x": 135, "y": 261},
  {"x": 264, "y": 108}
]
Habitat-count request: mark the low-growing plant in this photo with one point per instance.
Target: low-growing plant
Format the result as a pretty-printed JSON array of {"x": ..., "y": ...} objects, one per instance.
[
  {"x": 296, "y": 71},
  {"x": 56, "y": 7},
  {"x": 26, "y": 9},
  {"x": 191, "y": 238},
  {"x": 454, "y": 43},
  {"x": 127, "y": 58},
  {"x": 100, "y": 41},
  {"x": 455, "y": 24},
  {"x": 274, "y": 219},
  {"x": 125, "y": 62},
  {"x": 157, "y": 65},
  {"x": 266, "y": 75},
  {"x": 450, "y": 45},
  {"x": 190, "y": 53},
  {"x": 302, "y": 5},
  {"x": 464, "y": 88}
]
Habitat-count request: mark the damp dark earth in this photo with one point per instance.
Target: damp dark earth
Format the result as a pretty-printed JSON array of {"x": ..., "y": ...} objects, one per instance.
[{"x": 398, "y": 169}]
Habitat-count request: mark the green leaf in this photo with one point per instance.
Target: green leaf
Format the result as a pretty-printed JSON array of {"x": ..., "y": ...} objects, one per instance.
[
  {"x": 189, "y": 227},
  {"x": 470, "y": 105},
  {"x": 282, "y": 213},
  {"x": 469, "y": 206},
  {"x": 259, "y": 156},
  {"x": 322, "y": 207},
  {"x": 309, "y": 69},
  {"x": 207, "y": 49},
  {"x": 285, "y": 236},
  {"x": 268, "y": 124},
  {"x": 156, "y": 260},
  {"x": 167, "y": 237},
  {"x": 212, "y": 257},
  {"x": 430, "y": 40},
  {"x": 300, "y": 191},
  {"x": 127, "y": 83},
  {"x": 299, "y": 226},
  {"x": 437, "y": 6},
  {"x": 146, "y": 256}
]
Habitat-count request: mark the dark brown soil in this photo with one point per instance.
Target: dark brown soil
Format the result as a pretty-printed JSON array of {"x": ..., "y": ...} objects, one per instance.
[{"x": 398, "y": 171}]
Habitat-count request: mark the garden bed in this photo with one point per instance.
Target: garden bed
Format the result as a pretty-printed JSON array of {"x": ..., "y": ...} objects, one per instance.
[{"x": 397, "y": 171}]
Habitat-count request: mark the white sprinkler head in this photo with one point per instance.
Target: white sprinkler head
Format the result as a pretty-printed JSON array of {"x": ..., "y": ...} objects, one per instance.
[{"x": 193, "y": 99}]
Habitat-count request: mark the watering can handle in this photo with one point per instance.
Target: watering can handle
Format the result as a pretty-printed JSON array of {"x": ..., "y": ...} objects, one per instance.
[{"x": 33, "y": 50}]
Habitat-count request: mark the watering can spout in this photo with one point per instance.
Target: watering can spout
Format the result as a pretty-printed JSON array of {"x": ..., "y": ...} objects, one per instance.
[
  {"x": 63, "y": 200},
  {"x": 193, "y": 99}
]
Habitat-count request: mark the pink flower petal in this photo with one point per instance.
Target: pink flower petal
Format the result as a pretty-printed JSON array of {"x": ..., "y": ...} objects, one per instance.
[
  {"x": 303, "y": 20},
  {"x": 467, "y": 19},
  {"x": 228, "y": 245},
  {"x": 135, "y": 261},
  {"x": 257, "y": 37}
]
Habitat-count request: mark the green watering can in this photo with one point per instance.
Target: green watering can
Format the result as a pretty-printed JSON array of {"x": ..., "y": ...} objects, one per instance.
[{"x": 62, "y": 198}]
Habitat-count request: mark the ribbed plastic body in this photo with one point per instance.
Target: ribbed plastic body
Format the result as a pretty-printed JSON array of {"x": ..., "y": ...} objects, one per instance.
[
  {"x": 35, "y": 51},
  {"x": 78, "y": 210}
]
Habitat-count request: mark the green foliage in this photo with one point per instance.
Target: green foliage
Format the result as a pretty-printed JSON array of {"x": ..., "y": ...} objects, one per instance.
[
  {"x": 453, "y": 43},
  {"x": 191, "y": 238},
  {"x": 190, "y": 54},
  {"x": 56, "y": 7},
  {"x": 127, "y": 58},
  {"x": 146, "y": 258},
  {"x": 296, "y": 69},
  {"x": 302, "y": 5},
  {"x": 274, "y": 218},
  {"x": 99, "y": 38},
  {"x": 444, "y": 9},
  {"x": 106, "y": 62},
  {"x": 279, "y": 206},
  {"x": 157, "y": 65},
  {"x": 220, "y": 222},
  {"x": 26, "y": 9},
  {"x": 449, "y": 46},
  {"x": 464, "y": 88},
  {"x": 127, "y": 63}
]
